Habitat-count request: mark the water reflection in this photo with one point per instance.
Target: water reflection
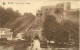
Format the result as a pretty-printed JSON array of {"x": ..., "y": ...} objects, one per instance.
[
  {"x": 72, "y": 48},
  {"x": 19, "y": 47},
  {"x": 6, "y": 48},
  {"x": 12, "y": 48},
  {"x": 22, "y": 48}
]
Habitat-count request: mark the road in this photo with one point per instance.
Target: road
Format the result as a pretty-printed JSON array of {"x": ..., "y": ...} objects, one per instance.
[{"x": 36, "y": 46}]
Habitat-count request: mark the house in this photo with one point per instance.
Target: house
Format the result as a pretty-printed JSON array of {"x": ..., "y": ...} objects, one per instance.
[
  {"x": 19, "y": 36},
  {"x": 5, "y": 33}
]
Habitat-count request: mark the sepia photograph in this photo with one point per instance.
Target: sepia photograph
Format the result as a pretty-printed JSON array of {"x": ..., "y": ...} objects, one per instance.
[{"x": 39, "y": 24}]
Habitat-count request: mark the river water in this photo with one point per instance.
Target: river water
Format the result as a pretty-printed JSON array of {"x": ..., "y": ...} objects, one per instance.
[
  {"x": 36, "y": 46},
  {"x": 6, "y": 48}
]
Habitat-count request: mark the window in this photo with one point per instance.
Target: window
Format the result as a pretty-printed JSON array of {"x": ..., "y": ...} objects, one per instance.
[
  {"x": 37, "y": 14},
  {"x": 2, "y": 36},
  {"x": 46, "y": 9},
  {"x": 40, "y": 14},
  {"x": 5, "y": 36}
]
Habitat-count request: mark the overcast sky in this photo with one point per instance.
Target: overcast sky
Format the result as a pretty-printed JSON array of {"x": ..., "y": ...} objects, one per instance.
[{"x": 33, "y": 5}]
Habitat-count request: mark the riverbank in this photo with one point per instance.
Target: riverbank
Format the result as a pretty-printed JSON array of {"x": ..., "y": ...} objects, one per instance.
[
  {"x": 17, "y": 45},
  {"x": 63, "y": 47}
]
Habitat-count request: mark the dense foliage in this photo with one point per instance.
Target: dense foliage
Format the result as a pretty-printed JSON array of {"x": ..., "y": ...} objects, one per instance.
[
  {"x": 14, "y": 20},
  {"x": 64, "y": 32}
]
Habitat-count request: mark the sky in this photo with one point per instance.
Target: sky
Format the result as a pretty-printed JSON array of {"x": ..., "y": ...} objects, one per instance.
[{"x": 34, "y": 5}]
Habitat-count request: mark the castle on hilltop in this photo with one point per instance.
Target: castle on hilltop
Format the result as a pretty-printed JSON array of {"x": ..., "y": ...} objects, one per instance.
[{"x": 61, "y": 11}]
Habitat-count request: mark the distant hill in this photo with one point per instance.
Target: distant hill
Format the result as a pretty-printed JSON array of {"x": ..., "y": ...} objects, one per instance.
[{"x": 14, "y": 20}]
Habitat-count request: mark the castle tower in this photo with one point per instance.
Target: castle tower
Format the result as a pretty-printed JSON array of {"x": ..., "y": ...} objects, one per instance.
[{"x": 67, "y": 6}]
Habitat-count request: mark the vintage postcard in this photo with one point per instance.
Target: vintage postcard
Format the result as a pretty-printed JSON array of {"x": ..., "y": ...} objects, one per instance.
[{"x": 39, "y": 24}]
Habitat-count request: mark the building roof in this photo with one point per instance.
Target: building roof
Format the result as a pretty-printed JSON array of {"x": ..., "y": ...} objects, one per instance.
[
  {"x": 73, "y": 10},
  {"x": 5, "y": 29}
]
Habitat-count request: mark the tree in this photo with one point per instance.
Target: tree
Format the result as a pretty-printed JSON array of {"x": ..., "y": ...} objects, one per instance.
[
  {"x": 50, "y": 27},
  {"x": 14, "y": 20},
  {"x": 69, "y": 32},
  {"x": 7, "y": 16}
]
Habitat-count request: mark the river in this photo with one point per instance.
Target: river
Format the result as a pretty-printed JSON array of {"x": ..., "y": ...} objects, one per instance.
[{"x": 36, "y": 46}]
